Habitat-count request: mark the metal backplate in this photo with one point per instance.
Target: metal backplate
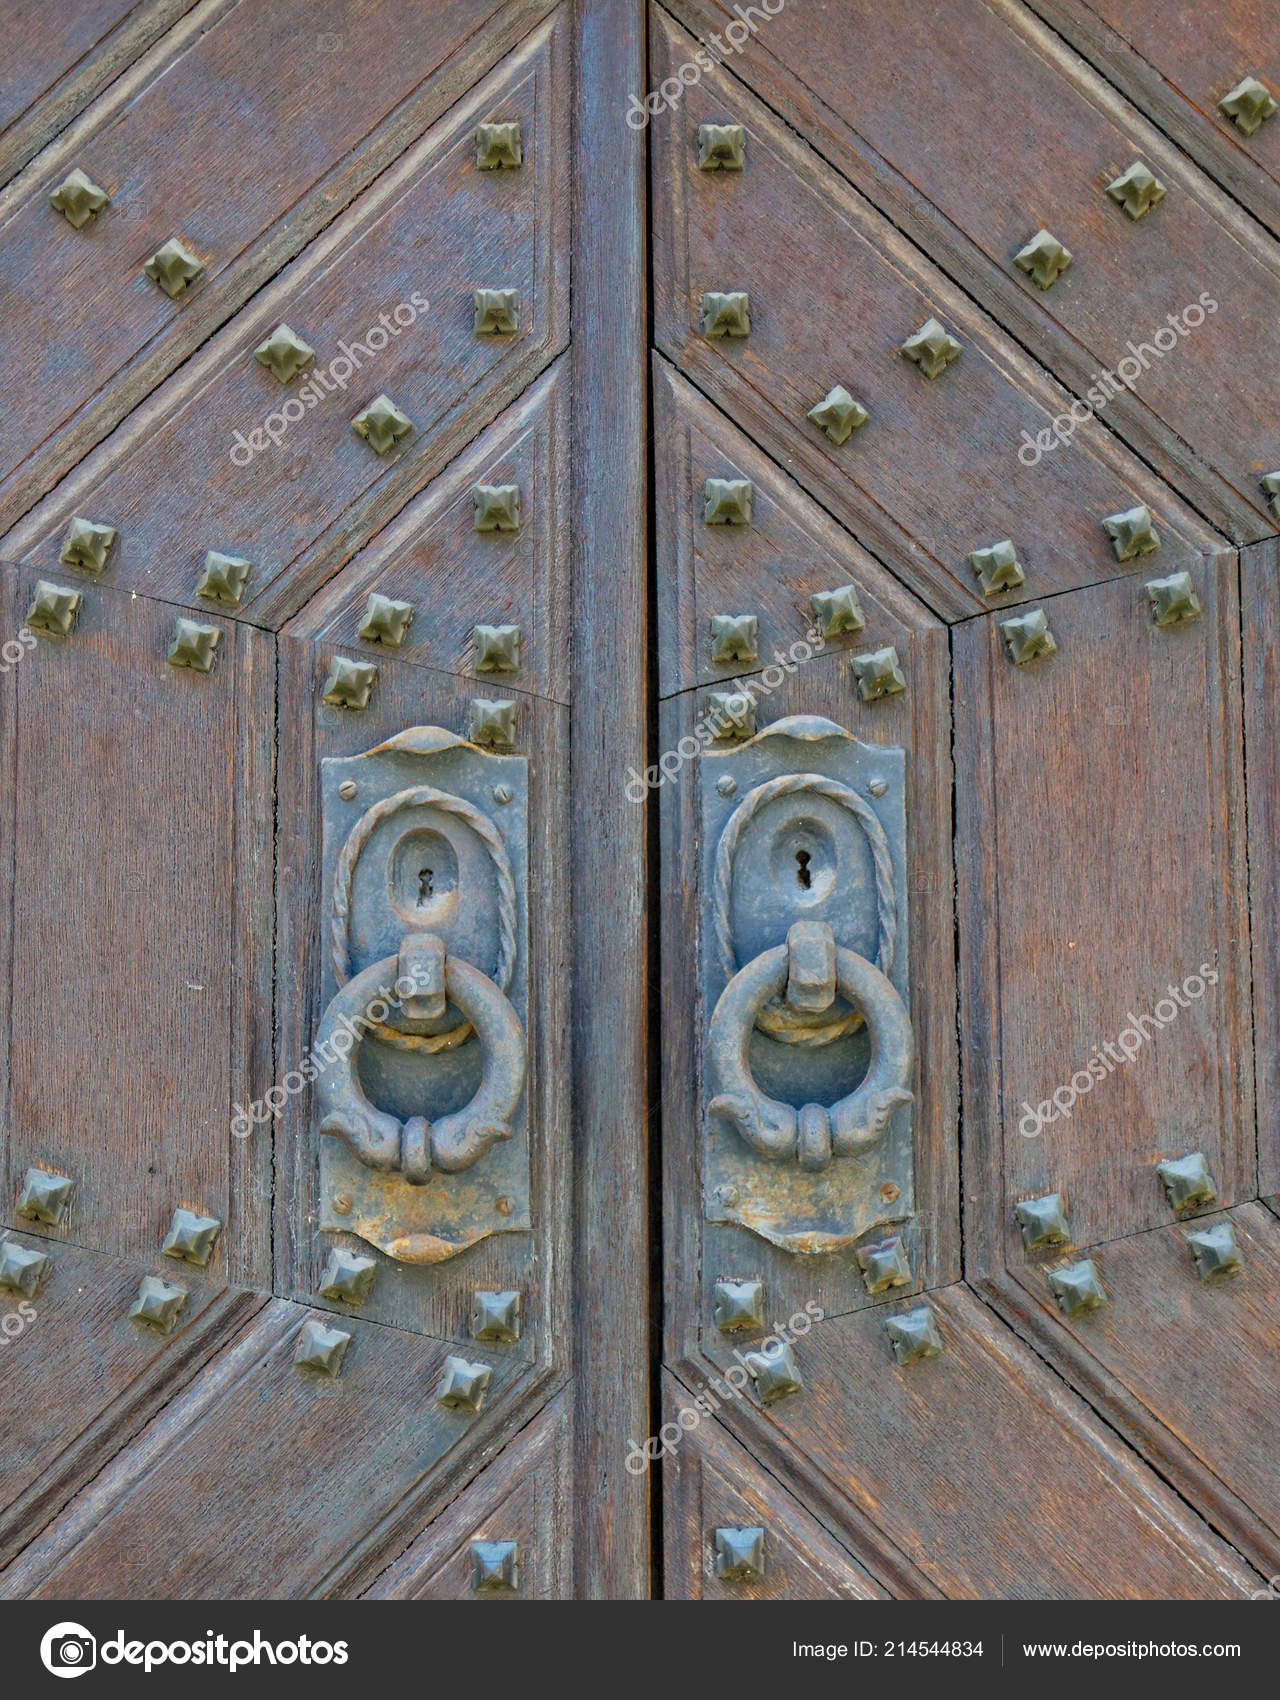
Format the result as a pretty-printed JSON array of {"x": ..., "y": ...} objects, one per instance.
[
  {"x": 426, "y": 867},
  {"x": 800, "y": 854}
]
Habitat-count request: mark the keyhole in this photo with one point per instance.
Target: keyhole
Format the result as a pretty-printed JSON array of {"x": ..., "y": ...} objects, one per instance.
[
  {"x": 803, "y": 876},
  {"x": 425, "y": 893}
]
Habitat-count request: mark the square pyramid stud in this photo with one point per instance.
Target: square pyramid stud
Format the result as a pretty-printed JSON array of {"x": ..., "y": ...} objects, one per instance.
[
  {"x": 721, "y": 147},
  {"x": 348, "y": 1276},
  {"x": 1217, "y": 1253},
  {"x": 738, "y": 1306},
  {"x": 491, "y": 723},
  {"x": 158, "y": 1304},
  {"x": 494, "y": 1567},
  {"x": 1027, "y": 637},
  {"x": 1188, "y": 1185},
  {"x": 223, "y": 578},
  {"x": 385, "y": 621},
  {"x": 499, "y": 147},
  {"x": 726, "y": 501},
  {"x": 1249, "y": 103},
  {"x": 21, "y": 1269},
  {"x": 726, "y": 314},
  {"x": 285, "y": 353},
  {"x": 1077, "y": 1288},
  {"x": 193, "y": 645},
  {"x": 1172, "y": 599},
  {"x": 1137, "y": 190},
  {"x": 731, "y": 715},
  {"x": 739, "y": 1554},
  {"x": 931, "y": 348},
  {"x": 838, "y": 414},
  {"x": 53, "y": 609},
  {"x": 998, "y": 568},
  {"x": 734, "y": 637},
  {"x": 350, "y": 683},
  {"x": 838, "y": 610},
  {"x": 495, "y": 1315},
  {"x": 463, "y": 1385},
  {"x": 1042, "y": 1221},
  {"x": 497, "y": 507},
  {"x": 321, "y": 1349},
  {"x": 914, "y": 1335},
  {"x": 1044, "y": 259},
  {"x": 191, "y": 1237},
  {"x": 774, "y": 1371},
  {"x": 78, "y": 198},
  {"x": 1270, "y": 482},
  {"x": 497, "y": 312},
  {"x": 1132, "y": 533},
  {"x": 87, "y": 545},
  {"x": 44, "y": 1197},
  {"x": 878, "y": 674},
  {"x": 497, "y": 649},
  {"x": 382, "y": 424},
  {"x": 884, "y": 1265},
  {"x": 173, "y": 267}
]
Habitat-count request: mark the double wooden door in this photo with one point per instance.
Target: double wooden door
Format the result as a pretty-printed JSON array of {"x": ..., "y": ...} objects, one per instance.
[{"x": 508, "y": 506}]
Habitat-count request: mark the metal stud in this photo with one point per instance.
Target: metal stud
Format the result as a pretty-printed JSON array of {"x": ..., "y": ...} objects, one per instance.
[
  {"x": 1028, "y": 637},
  {"x": 884, "y": 1265},
  {"x": 21, "y": 1270},
  {"x": 1043, "y": 1221},
  {"x": 494, "y": 1568},
  {"x": 1217, "y": 1253},
  {"x": 774, "y": 1371},
  {"x": 382, "y": 424},
  {"x": 497, "y": 312},
  {"x": 1132, "y": 533},
  {"x": 78, "y": 198},
  {"x": 87, "y": 545},
  {"x": 838, "y": 414},
  {"x": 726, "y": 314},
  {"x": 321, "y": 1349},
  {"x": 734, "y": 637},
  {"x": 1077, "y": 1287},
  {"x": 1270, "y": 482},
  {"x": 347, "y": 1276},
  {"x": 1137, "y": 190},
  {"x": 173, "y": 267},
  {"x": 838, "y": 610},
  {"x": 738, "y": 1306},
  {"x": 350, "y": 683},
  {"x": 158, "y": 1304},
  {"x": 1044, "y": 259},
  {"x": 1249, "y": 103},
  {"x": 732, "y": 715},
  {"x": 223, "y": 578},
  {"x": 44, "y": 1196},
  {"x": 931, "y": 348},
  {"x": 727, "y": 501},
  {"x": 53, "y": 609},
  {"x": 1172, "y": 599},
  {"x": 497, "y": 507},
  {"x": 191, "y": 1237},
  {"x": 1188, "y": 1185},
  {"x": 721, "y": 147},
  {"x": 998, "y": 568},
  {"x": 492, "y": 722},
  {"x": 878, "y": 673},
  {"x": 193, "y": 645},
  {"x": 463, "y": 1385},
  {"x": 495, "y": 1315},
  {"x": 285, "y": 353},
  {"x": 497, "y": 649},
  {"x": 913, "y": 1334},
  {"x": 385, "y": 621},
  {"x": 499, "y": 147},
  {"x": 739, "y": 1554}
]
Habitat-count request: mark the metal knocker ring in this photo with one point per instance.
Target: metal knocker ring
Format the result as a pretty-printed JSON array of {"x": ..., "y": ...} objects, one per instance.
[
  {"x": 453, "y": 1142},
  {"x": 815, "y": 1133}
]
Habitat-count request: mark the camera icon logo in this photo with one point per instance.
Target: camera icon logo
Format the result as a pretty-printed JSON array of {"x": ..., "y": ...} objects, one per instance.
[{"x": 68, "y": 1649}]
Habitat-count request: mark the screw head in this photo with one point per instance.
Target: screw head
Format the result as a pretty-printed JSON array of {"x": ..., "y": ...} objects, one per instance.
[
  {"x": 505, "y": 1206},
  {"x": 502, "y": 794},
  {"x": 347, "y": 791},
  {"x": 726, "y": 785},
  {"x": 342, "y": 1204}
]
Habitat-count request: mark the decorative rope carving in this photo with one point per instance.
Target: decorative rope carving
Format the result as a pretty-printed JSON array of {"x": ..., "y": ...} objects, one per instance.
[
  {"x": 344, "y": 887},
  {"x": 777, "y": 1018}
]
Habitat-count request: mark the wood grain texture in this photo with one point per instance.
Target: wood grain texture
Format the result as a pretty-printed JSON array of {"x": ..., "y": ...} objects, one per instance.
[
  {"x": 1101, "y": 858},
  {"x": 1260, "y": 682}
]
